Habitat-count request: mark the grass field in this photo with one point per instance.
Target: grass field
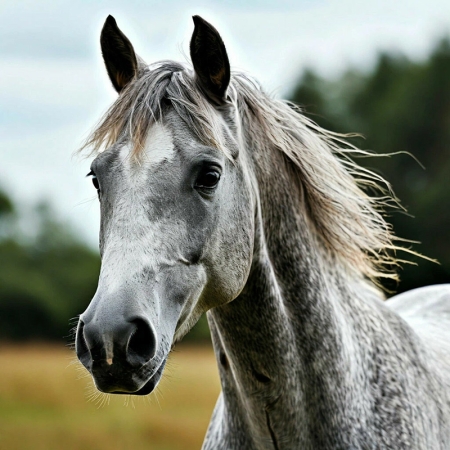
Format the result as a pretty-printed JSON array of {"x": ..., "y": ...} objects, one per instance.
[{"x": 47, "y": 403}]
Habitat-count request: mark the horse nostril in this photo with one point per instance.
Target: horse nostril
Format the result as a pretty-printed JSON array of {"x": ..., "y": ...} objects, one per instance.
[
  {"x": 142, "y": 343},
  {"x": 82, "y": 350},
  {"x": 127, "y": 341}
]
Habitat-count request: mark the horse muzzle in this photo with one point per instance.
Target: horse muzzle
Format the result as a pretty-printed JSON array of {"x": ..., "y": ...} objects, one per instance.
[
  {"x": 125, "y": 335},
  {"x": 122, "y": 357}
]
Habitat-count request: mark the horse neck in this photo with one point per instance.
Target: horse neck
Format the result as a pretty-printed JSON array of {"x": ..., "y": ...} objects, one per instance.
[{"x": 292, "y": 329}]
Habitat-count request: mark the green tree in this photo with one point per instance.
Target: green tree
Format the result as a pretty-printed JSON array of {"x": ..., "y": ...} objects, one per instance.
[
  {"x": 43, "y": 282},
  {"x": 401, "y": 106}
]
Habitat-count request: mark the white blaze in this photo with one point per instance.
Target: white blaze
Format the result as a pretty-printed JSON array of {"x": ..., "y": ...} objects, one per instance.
[
  {"x": 134, "y": 237},
  {"x": 159, "y": 146}
]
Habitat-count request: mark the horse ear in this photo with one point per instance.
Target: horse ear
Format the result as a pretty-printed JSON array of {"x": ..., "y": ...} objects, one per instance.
[
  {"x": 118, "y": 54},
  {"x": 210, "y": 60}
]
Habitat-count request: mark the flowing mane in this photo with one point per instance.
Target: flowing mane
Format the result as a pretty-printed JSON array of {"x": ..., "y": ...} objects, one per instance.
[{"x": 348, "y": 221}]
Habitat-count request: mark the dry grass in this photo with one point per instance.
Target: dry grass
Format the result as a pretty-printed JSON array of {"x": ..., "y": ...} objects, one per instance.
[{"x": 44, "y": 404}]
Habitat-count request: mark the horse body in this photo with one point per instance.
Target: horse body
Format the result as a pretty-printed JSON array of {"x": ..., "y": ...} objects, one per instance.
[{"x": 216, "y": 198}]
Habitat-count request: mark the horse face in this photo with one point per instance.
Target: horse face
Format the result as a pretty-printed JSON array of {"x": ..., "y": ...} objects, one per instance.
[{"x": 176, "y": 240}]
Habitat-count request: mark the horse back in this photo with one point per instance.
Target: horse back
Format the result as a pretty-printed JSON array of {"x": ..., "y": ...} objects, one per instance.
[{"x": 427, "y": 311}]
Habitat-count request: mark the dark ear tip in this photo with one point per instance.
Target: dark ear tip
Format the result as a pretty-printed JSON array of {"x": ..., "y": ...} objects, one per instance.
[
  {"x": 199, "y": 21},
  {"x": 110, "y": 21}
]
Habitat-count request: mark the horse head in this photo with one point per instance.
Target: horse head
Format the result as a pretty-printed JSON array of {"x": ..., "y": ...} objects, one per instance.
[{"x": 177, "y": 209}]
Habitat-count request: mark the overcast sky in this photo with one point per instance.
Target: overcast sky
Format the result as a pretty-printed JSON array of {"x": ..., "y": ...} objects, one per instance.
[{"x": 54, "y": 87}]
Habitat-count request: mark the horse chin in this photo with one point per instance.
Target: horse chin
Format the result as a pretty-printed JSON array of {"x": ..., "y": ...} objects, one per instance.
[
  {"x": 151, "y": 384},
  {"x": 147, "y": 388}
]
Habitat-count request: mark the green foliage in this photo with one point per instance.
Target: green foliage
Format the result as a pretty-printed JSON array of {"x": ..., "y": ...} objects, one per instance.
[
  {"x": 6, "y": 206},
  {"x": 44, "y": 282},
  {"x": 7, "y": 215},
  {"x": 402, "y": 106}
]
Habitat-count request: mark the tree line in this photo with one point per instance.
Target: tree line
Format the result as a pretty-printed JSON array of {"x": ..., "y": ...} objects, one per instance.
[{"x": 402, "y": 108}]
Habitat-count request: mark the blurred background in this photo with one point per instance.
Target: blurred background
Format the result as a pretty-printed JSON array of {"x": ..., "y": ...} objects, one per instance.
[{"x": 379, "y": 68}]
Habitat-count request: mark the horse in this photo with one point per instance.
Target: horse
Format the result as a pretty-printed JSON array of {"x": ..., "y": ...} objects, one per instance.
[{"x": 218, "y": 198}]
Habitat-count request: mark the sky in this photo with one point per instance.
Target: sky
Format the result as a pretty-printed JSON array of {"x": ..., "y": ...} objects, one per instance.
[{"x": 54, "y": 87}]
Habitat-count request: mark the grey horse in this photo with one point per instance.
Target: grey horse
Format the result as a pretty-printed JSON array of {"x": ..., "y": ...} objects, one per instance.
[{"x": 216, "y": 197}]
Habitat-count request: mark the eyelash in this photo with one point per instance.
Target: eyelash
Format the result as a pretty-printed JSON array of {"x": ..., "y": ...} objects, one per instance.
[{"x": 94, "y": 180}]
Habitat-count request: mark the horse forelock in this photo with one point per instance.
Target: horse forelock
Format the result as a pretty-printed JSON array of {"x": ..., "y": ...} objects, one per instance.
[
  {"x": 143, "y": 102},
  {"x": 348, "y": 221}
]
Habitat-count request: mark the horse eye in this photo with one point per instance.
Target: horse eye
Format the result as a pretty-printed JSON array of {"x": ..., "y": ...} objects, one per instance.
[
  {"x": 208, "y": 179},
  {"x": 95, "y": 183}
]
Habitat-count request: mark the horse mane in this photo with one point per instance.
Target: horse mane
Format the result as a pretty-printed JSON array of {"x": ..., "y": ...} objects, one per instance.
[{"x": 347, "y": 220}]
